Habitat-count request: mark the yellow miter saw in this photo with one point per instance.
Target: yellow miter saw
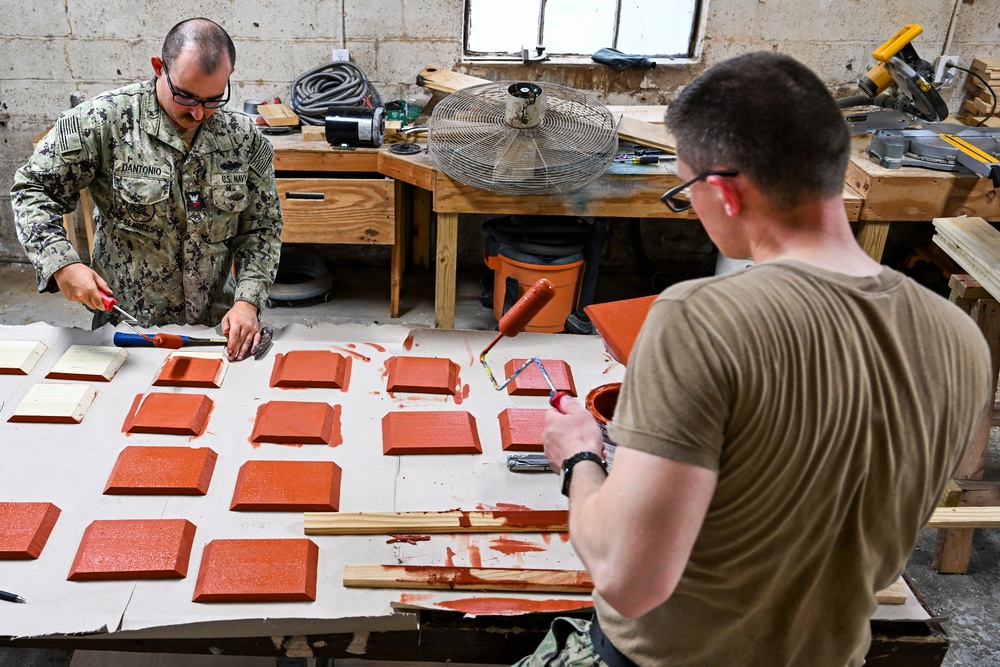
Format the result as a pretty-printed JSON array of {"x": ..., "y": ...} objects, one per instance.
[{"x": 899, "y": 105}]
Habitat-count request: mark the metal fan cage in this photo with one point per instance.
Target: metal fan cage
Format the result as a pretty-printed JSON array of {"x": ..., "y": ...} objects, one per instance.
[{"x": 472, "y": 143}]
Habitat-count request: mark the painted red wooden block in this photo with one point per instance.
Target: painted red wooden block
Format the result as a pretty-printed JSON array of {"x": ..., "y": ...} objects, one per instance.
[
  {"x": 311, "y": 368},
  {"x": 133, "y": 549},
  {"x": 25, "y": 528},
  {"x": 269, "y": 570},
  {"x": 521, "y": 429},
  {"x": 181, "y": 370},
  {"x": 618, "y": 323},
  {"x": 423, "y": 375},
  {"x": 182, "y": 471},
  {"x": 175, "y": 414},
  {"x": 288, "y": 486},
  {"x": 531, "y": 383},
  {"x": 297, "y": 422},
  {"x": 431, "y": 432}
]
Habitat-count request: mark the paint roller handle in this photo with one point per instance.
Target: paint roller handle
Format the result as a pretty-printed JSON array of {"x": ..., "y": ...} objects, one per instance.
[
  {"x": 172, "y": 341},
  {"x": 555, "y": 397},
  {"x": 537, "y": 296}
]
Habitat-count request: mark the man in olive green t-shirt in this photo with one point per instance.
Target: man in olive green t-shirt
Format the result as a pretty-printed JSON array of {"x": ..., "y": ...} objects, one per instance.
[{"x": 783, "y": 432}]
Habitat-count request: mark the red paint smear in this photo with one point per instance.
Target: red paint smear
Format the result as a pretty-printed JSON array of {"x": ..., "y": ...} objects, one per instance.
[
  {"x": 385, "y": 367},
  {"x": 461, "y": 396},
  {"x": 336, "y": 437},
  {"x": 608, "y": 369},
  {"x": 449, "y": 559},
  {"x": 510, "y": 606},
  {"x": 376, "y": 346},
  {"x": 376, "y": 393},
  {"x": 507, "y": 546},
  {"x": 535, "y": 518},
  {"x": 131, "y": 413},
  {"x": 356, "y": 355},
  {"x": 475, "y": 558},
  {"x": 564, "y": 536},
  {"x": 472, "y": 355},
  {"x": 408, "y": 343},
  {"x": 352, "y": 346},
  {"x": 410, "y": 598},
  {"x": 547, "y": 538}
]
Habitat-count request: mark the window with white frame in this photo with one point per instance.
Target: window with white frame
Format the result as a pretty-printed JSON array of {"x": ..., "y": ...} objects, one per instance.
[{"x": 655, "y": 28}]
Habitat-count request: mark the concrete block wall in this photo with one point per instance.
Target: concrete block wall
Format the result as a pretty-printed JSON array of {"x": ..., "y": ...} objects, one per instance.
[{"x": 51, "y": 48}]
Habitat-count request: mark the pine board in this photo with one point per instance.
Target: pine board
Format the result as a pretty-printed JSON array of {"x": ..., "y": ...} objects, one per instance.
[
  {"x": 965, "y": 517},
  {"x": 455, "y": 521},
  {"x": 18, "y": 357},
  {"x": 467, "y": 578},
  {"x": 55, "y": 403},
  {"x": 279, "y": 115},
  {"x": 89, "y": 362}
]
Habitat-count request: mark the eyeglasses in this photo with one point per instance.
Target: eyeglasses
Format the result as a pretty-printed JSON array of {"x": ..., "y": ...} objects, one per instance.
[
  {"x": 186, "y": 100},
  {"x": 677, "y": 202}
]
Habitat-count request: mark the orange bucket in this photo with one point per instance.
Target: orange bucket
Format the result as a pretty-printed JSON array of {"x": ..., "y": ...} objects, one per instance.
[{"x": 565, "y": 277}]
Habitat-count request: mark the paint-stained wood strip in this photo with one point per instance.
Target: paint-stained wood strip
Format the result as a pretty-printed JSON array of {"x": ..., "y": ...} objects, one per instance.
[
  {"x": 18, "y": 357},
  {"x": 467, "y": 578},
  {"x": 453, "y": 521}
]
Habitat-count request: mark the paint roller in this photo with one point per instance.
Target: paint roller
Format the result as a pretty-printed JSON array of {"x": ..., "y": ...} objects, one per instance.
[{"x": 513, "y": 323}]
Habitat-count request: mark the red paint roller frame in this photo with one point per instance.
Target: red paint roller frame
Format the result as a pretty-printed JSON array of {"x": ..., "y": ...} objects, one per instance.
[{"x": 513, "y": 323}]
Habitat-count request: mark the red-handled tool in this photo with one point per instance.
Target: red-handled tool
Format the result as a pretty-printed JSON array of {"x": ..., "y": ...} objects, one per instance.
[
  {"x": 513, "y": 323},
  {"x": 111, "y": 303}
]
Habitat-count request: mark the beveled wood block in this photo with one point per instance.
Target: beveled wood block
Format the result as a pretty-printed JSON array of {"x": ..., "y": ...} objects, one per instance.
[
  {"x": 181, "y": 471},
  {"x": 311, "y": 368},
  {"x": 174, "y": 414},
  {"x": 618, "y": 323},
  {"x": 268, "y": 570},
  {"x": 25, "y": 528},
  {"x": 287, "y": 486},
  {"x": 521, "y": 429},
  {"x": 297, "y": 422},
  {"x": 52, "y": 403},
  {"x": 423, "y": 375},
  {"x": 18, "y": 357},
  {"x": 430, "y": 432},
  {"x": 89, "y": 362},
  {"x": 531, "y": 383},
  {"x": 133, "y": 549},
  {"x": 192, "y": 369}
]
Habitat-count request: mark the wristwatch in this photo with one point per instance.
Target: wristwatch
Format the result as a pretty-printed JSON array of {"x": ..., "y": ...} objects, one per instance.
[{"x": 567, "y": 467}]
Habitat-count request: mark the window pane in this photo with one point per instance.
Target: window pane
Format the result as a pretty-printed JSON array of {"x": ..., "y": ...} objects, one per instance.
[
  {"x": 502, "y": 27},
  {"x": 578, "y": 26},
  {"x": 656, "y": 27}
]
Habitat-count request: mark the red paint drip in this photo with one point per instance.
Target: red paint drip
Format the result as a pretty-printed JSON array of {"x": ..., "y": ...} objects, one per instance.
[
  {"x": 411, "y": 598},
  {"x": 376, "y": 346},
  {"x": 508, "y": 546},
  {"x": 352, "y": 346},
  {"x": 475, "y": 558},
  {"x": 408, "y": 343},
  {"x": 385, "y": 367},
  {"x": 449, "y": 558},
  {"x": 495, "y": 606},
  {"x": 356, "y": 355},
  {"x": 461, "y": 395},
  {"x": 564, "y": 536}
]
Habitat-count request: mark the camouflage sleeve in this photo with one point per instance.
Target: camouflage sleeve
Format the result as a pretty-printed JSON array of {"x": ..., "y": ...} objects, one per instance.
[
  {"x": 258, "y": 242},
  {"x": 48, "y": 187}
]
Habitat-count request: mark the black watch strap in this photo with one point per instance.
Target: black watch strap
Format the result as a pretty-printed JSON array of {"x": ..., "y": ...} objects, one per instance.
[{"x": 567, "y": 467}]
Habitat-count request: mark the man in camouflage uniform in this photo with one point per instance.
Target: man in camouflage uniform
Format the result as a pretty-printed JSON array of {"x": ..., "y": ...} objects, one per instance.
[{"x": 184, "y": 190}]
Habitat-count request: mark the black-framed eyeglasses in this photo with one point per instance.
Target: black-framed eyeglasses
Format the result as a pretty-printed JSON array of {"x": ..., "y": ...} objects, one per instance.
[
  {"x": 674, "y": 198},
  {"x": 182, "y": 98}
]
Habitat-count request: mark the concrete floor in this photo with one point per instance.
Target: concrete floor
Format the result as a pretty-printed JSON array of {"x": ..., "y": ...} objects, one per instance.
[{"x": 968, "y": 605}]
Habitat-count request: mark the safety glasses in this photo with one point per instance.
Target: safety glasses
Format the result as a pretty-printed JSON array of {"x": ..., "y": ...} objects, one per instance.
[{"x": 678, "y": 199}]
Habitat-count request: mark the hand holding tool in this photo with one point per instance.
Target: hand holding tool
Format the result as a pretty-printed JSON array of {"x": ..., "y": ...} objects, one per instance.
[
  {"x": 111, "y": 303},
  {"x": 266, "y": 334},
  {"x": 513, "y": 323}
]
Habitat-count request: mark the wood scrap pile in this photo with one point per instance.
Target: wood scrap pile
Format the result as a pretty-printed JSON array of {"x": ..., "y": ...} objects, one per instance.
[
  {"x": 975, "y": 245},
  {"x": 978, "y": 101}
]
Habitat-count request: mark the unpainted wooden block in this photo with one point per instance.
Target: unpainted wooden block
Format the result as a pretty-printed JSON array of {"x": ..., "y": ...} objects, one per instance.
[
  {"x": 530, "y": 381},
  {"x": 430, "y": 432},
  {"x": 288, "y": 486},
  {"x": 521, "y": 429},
  {"x": 18, "y": 357},
  {"x": 297, "y": 422},
  {"x": 267, "y": 570},
  {"x": 192, "y": 369},
  {"x": 174, "y": 414},
  {"x": 25, "y": 528},
  {"x": 322, "y": 369},
  {"x": 180, "y": 471},
  {"x": 52, "y": 403},
  {"x": 423, "y": 375},
  {"x": 133, "y": 549},
  {"x": 98, "y": 363}
]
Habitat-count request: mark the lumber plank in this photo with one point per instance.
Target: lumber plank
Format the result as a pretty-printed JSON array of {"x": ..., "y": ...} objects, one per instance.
[
  {"x": 445, "y": 80},
  {"x": 467, "y": 578},
  {"x": 966, "y": 287},
  {"x": 18, "y": 357},
  {"x": 965, "y": 517},
  {"x": 645, "y": 134},
  {"x": 278, "y": 115},
  {"x": 893, "y": 594},
  {"x": 452, "y": 521}
]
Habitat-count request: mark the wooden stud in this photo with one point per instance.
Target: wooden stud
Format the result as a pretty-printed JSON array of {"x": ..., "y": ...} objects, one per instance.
[
  {"x": 965, "y": 517},
  {"x": 18, "y": 357},
  {"x": 467, "y": 578},
  {"x": 451, "y": 521}
]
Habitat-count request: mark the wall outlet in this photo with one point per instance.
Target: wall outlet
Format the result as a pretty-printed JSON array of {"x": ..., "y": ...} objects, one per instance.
[
  {"x": 341, "y": 56},
  {"x": 942, "y": 72}
]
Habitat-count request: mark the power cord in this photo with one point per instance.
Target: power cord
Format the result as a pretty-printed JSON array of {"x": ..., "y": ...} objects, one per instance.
[
  {"x": 334, "y": 84},
  {"x": 988, "y": 87}
]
